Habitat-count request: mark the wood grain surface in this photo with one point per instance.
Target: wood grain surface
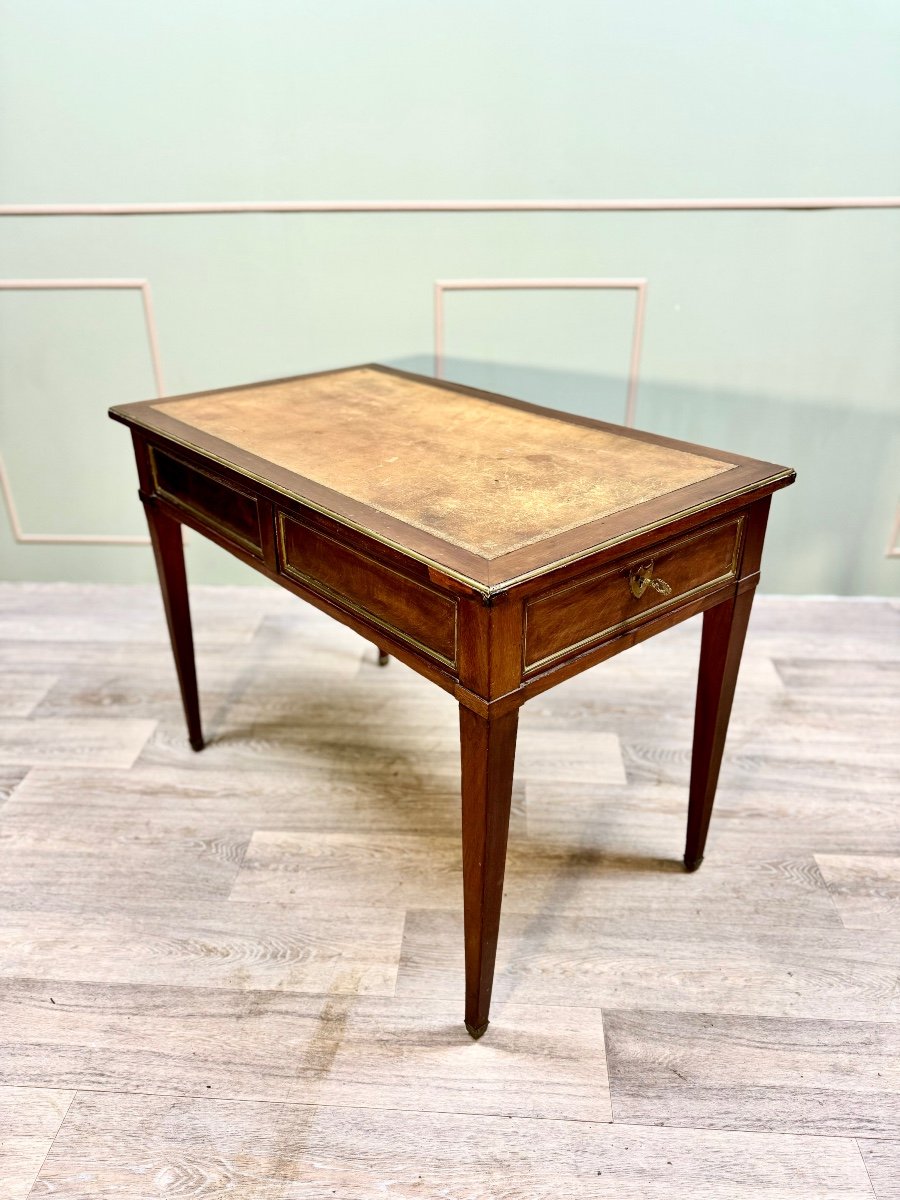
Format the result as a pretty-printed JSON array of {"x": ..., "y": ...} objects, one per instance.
[
  {"x": 239, "y": 973},
  {"x": 10, "y": 778},
  {"x": 740, "y": 1071},
  {"x": 146, "y": 1146},
  {"x": 882, "y": 1161},
  {"x": 73, "y": 743},
  {"x": 865, "y": 888},
  {"x": 29, "y": 1121}
]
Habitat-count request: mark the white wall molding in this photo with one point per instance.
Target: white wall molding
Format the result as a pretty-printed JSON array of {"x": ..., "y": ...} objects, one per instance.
[
  {"x": 639, "y": 286},
  {"x": 143, "y": 286},
  {"x": 187, "y": 208},
  {"x": 211, "y": 207},
  {"x": 893, "y": 546}
]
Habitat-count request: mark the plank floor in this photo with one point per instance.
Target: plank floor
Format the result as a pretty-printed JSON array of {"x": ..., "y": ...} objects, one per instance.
[{"x": 239, "y": 973}]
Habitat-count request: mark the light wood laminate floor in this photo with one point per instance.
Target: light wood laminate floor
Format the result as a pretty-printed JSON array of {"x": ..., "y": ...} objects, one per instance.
[{"x": 239, "y": 973}]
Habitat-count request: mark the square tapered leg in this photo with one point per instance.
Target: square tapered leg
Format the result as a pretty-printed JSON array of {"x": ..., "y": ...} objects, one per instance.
[
  {"x": 488, "y": 753},
  {"x": 165, "y": 534},
  {"x": 724, "y": 629}
]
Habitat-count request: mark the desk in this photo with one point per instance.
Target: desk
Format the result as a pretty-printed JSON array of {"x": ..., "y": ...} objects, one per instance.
[{"x": 494, "y": 546}]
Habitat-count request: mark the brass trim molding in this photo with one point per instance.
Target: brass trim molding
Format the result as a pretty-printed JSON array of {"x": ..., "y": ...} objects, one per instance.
[
  {"x": 225, "y": 531},
  {"x": 648, "y": 613},
  {"x": 483, "y": 589},
  {"x": 343, "y": 601}
]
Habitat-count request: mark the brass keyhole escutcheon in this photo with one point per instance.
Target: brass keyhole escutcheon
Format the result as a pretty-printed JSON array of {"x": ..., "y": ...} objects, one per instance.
[{"x": 642, "y": 577}]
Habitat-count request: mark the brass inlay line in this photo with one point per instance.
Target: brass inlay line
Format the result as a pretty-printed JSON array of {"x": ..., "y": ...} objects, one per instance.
[
  {"x": 601, "y": 634},
  {"x": 484, "y": 589},
  {"x": 341, "y": 598},
  {"x": 226, "y": 531},
  {"x": 626, "y": 624},
  {"x": 485, "y": 477},
  {"x": 633, "y": 533}
]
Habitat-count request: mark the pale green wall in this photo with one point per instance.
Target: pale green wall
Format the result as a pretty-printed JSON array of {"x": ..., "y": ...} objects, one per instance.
[{"x": 770, "y": 333}]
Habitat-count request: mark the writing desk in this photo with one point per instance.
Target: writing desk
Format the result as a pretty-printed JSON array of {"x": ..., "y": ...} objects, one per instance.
[{"x": 494, "y": 546}]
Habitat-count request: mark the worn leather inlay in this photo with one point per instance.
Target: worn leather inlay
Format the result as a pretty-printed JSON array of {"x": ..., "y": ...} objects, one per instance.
[{"x": 483, "y": 476}]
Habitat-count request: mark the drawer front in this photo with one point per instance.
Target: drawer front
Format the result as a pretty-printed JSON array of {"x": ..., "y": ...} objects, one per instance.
[
  {"x": 595, "y": 609},
  {"x": 404, "y": 607},
  {"x": 231, "y": 513}
]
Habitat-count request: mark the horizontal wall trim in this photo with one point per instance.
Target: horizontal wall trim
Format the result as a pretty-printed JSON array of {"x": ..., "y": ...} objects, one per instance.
[
  {"x": 69, "y": 285},
  {"x": 203, "y": 207},
  {"x": 550, "y": 285}
]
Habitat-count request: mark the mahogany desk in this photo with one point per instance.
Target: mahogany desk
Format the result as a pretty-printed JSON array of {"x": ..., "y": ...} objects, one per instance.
[{"x": 493, "y": 546}]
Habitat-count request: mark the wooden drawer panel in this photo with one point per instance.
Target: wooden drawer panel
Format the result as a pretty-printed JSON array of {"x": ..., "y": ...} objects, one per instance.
[
  {"x": 592, "y": 610},
  {"x": 405, "y": 607},
  {"x": 230, "y": 512}
]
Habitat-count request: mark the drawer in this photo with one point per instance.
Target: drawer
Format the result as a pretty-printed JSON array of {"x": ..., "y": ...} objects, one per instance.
[
  {"x": 230, "y": 512},
  {"x": 595, "y": 609},
  {"x": 408, "y": 609}
]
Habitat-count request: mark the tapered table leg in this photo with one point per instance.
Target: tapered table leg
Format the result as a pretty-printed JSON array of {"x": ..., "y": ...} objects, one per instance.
[
  {"x": 165, "y": 534},
  {"x": 488, "y": 754},
  {"x": 724, "y": 628}
]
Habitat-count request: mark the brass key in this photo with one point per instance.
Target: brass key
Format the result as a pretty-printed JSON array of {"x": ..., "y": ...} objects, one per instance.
[{"x": 642, "y": 578}]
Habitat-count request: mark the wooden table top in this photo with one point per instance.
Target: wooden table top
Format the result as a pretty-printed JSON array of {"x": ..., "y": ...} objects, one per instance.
[{"x": 488, "y": 487}]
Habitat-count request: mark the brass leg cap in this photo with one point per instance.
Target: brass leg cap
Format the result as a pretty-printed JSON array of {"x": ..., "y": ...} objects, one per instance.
[
  {"x": 383, "y": 659},
  {"x": 691, "y": 864},
  {"x": 477, "y": 1031}
]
